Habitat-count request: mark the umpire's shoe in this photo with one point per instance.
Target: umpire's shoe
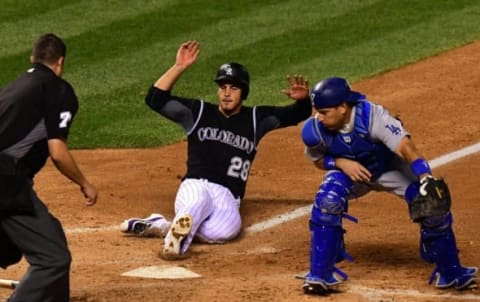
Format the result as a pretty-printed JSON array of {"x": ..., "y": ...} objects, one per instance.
[
  {"x": 154, "y": 225},
  {"x": 181, "y": 227}
]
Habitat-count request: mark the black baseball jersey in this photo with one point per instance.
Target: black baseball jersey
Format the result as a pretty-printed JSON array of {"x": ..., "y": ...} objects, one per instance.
[
  {"x": 36, "y": 107},
  {"x": 222, "y": 149}
]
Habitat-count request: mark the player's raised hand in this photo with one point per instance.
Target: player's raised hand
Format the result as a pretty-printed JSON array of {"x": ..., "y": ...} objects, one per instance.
[
  {"x": 298, "y": 88},
  {"x": 187, "y": 53}
]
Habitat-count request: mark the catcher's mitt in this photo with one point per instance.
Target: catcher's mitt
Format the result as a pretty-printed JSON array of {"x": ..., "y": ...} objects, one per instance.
[{"x": 433, "y": 199}]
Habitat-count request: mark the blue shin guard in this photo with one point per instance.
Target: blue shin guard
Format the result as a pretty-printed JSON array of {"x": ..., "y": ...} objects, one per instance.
[
  {"x": 327, "y": 246},
  {"x": 441, "y": 249},
  {"x": 325, "y": 250},
  {"x": 438, "y": 246}
]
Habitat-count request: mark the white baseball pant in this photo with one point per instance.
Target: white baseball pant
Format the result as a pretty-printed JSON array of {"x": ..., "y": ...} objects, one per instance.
[{"x": 215, "y": 211}]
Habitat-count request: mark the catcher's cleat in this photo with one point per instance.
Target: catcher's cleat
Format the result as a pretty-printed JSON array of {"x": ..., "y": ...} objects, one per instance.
[
  {"x": 463, "y": 280},
  {"x": 468, "y": 278},
  {"x": 321, "y": 286},
  {"x": 179, "y": 230},
  {"x": 315, "y": 288},
  {"x": 154, "y": 225}
]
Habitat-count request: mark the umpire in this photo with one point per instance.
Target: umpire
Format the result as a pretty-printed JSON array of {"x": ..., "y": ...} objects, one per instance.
[{"x": 36, "y": 112}]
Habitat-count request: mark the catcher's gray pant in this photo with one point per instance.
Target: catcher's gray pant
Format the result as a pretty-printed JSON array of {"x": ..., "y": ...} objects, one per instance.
[
  {"x": 39, "y": 237},
  {"x": 395, "y": 181}
]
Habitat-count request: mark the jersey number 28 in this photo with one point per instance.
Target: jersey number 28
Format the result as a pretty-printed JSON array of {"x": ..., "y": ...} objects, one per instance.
[{"x": 239, "y": 168}]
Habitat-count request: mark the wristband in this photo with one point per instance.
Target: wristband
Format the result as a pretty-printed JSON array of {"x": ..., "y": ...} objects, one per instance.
[
  {"x": 329, "y": 162},
  {"x": 420, "y": 166}
]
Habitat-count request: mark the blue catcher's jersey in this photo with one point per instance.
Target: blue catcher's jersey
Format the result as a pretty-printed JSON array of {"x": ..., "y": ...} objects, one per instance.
[{"x": 357, "y": 144}]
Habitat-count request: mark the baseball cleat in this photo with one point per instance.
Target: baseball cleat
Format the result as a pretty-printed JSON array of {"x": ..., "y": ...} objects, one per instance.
[
  {"x": 179, "y": 230},
  {"x": 315, "y": 288},
  {"x": 154, "y": 225},
  {"x": 464, "y": 279},
  {"x": 314, "y": 285}
]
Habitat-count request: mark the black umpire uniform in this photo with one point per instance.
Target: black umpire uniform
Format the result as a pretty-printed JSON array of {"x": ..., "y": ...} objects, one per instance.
[{"x": 38, "y": 106}]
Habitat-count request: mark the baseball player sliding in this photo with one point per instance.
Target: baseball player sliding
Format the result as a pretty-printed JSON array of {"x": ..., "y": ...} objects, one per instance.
[
  {"x": 222, "y": 143},
  {"x": 364, "y": 148}
]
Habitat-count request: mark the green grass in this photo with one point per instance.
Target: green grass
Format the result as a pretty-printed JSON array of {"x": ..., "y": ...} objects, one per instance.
[{"x": 117, "y": 49}]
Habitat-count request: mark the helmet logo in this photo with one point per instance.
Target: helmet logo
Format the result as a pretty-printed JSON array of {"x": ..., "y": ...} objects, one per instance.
[
  {"x": 227, "y": 68},
  {"x": 312, "y": 99}
]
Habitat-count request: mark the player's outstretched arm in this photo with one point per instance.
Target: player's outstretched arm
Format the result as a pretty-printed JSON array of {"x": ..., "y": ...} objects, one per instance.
[
  {"x": 298, "y": 89},
  {"x": 186, "y": 55}
]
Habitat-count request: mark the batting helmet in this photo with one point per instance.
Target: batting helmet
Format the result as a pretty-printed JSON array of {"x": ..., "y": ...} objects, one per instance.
[
  {"x": 234, "y": 73},
  {"x": 331, "y": 92}
]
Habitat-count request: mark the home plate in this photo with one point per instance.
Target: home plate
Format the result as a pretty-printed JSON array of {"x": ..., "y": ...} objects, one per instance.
[{"x": 162, "y": 272}]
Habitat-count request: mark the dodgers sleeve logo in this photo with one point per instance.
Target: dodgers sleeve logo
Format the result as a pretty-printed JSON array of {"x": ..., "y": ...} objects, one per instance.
[{"x": 394, "y": 129}]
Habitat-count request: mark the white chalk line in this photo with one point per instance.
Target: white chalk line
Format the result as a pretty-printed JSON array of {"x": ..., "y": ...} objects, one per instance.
[
  {"x": 444, "y": 159},
  {"x": 376, "y": 294},
  {"x": 272, "y": 222},
  {"x": 93, "y": 229},
  {"x": 370, "y": 293}
]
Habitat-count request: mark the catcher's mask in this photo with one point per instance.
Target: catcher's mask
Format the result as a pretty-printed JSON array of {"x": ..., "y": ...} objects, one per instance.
[
  {"x": 234, "y": 73},
  {"x": 331, "y": 92}
]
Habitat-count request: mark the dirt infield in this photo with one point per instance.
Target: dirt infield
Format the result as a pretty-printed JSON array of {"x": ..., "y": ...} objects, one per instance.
[{"x": 437, "y": 99}]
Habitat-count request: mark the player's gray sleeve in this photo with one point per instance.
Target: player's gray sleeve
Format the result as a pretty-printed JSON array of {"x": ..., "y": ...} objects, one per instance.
[
  {"x": 179, "y": 110},
  {"x": 274, "y": 117},
  {"x": 386, "y": 128},
  {"x": 178, "y": 113}
]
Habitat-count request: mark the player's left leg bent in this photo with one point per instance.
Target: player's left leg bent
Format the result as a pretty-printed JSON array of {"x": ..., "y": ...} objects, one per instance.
[
  {"x": 180, "y": 229},
  {"x": 438, "y": 246},
  {"x": 225, "y": 222},
  {"x": 193, "y": 205},
  {"x": 327, "y": 244}
]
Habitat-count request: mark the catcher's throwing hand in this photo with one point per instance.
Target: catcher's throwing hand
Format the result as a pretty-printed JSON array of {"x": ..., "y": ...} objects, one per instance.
[
  {"x": 433, "y": 199},
  {"x": 354, "y": 170},
  {"x": 298, "y": 88}
]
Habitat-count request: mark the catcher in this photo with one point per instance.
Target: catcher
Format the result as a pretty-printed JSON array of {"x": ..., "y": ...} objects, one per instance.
[{"x": 363, "y": 148}]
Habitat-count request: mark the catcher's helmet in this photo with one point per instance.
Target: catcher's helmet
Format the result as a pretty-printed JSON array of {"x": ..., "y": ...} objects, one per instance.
[
  {"x": 234, "y": 73},
  {"x": 331, "y": 92}
]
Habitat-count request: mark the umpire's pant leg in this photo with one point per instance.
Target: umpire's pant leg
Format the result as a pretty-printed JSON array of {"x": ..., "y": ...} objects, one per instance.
[
  {"x": 9, "y": 253},
  {"x": 41, "y": 239}
]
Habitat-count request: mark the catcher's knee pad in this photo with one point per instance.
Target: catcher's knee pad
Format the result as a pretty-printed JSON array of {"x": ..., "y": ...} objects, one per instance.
[
  {"x": 437, "y": 224},
  {"x": 331, "y": 200}
]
